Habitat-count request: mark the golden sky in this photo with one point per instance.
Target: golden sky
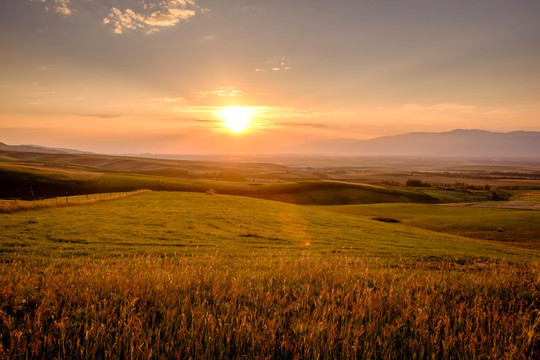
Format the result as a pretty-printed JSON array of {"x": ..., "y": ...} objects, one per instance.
[{"x": 157, "y": 75}]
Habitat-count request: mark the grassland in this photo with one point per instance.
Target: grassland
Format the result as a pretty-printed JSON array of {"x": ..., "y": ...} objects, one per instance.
[
  {"x": 256, "y": 260},
  {"x": 190, "y": 275},
  {"x": 520, "y": 227},
  {"x": 169, "y": 222}
]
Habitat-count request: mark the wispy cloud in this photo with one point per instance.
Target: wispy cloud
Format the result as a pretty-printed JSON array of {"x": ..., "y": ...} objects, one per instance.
[
  {"x": 245, "y": 7},
  {"x": 165, "y": 100},
  {"x": 440, "y": 107},
  {"x": 59, "y": 6},
  {"x": 220, "y": 91},
  {"x": 154, "y": 16},
  {"x": 294, "y": 124},
  {"x": 453, "y": 107},
  {"x": 101, "y": 116},
  {"x": 207, "y": 121},
  {"x": 284, "y": 112},
  {"x": 275, "y": 64},
  {"x": 208, "y": 38}
]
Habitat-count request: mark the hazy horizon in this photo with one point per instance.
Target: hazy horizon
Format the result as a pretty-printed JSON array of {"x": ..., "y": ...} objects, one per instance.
[{"x": 249, "y": 76}]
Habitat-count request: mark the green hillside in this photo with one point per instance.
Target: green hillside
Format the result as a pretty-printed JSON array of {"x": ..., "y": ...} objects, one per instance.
[
  {"x": 171, "y": 222},
  {"x": 508, "y": 225}
]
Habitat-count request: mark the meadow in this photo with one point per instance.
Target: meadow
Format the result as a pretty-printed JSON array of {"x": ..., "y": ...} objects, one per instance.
[{"x": 194, "y": 275}]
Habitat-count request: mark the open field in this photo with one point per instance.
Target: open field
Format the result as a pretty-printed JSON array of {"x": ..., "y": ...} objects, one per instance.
[
  {"x": 169, "y": 222},
  {"x": 232, "y": 260},
  {"x": 144, "y": 277}
]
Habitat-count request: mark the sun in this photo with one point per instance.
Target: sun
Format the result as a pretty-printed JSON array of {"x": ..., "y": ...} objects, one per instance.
[{"x": 235, "y": 118}]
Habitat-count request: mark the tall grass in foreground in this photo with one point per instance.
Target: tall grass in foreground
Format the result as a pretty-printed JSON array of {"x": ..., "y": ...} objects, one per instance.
[{"x": 268, "y": 307}]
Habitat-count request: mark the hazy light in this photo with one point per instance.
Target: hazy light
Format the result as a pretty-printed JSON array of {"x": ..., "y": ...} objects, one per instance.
[{"x": 235, "y": 118}]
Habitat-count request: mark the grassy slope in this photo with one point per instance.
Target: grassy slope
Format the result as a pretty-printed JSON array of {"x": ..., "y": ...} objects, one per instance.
[
  {"x": 20, "y": 180},
  {"x": 508, "y": 225},
  {"x": 171, "y": 223}
]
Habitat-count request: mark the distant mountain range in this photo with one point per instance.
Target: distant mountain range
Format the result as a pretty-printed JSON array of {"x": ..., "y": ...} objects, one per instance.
[
  {"x": 39, "y": 149},
  {"x": 456, "y": 143}
]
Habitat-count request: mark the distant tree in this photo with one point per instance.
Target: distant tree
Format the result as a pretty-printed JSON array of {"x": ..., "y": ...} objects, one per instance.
[{"x": 415, "y": 183}]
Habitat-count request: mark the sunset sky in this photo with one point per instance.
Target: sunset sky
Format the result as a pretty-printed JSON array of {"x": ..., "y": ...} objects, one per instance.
[{"x": 128, "y": 76}]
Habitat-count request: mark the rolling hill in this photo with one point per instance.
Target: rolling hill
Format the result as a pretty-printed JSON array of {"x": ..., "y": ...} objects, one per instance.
[
  {"x": 39, "y": 149},
  {"x": 33, "y": 181}
]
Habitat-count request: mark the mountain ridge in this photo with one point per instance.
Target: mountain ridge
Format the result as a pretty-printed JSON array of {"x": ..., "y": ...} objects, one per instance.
[
  {"x": 454, "y": 143},
  {"x": 40, "y": 149}
]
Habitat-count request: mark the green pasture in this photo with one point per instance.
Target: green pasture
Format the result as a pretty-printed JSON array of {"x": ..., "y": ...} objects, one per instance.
[
  {"x": 167, "y": 223},
  {"x": 507, "y": 225}
]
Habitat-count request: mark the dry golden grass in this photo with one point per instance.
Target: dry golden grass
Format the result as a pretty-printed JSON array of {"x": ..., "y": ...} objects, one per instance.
[{"x": 274, "y": 306}]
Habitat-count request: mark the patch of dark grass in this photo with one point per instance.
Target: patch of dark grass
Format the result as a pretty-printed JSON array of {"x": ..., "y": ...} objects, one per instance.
[{"x": 386, "y": 220}]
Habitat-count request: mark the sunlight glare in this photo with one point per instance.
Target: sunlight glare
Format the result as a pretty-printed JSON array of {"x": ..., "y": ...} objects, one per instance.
[{"x": 235, "y": 118}]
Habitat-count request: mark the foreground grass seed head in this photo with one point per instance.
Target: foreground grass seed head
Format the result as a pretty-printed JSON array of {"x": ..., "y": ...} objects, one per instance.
[{"x": 260, "y": 307}]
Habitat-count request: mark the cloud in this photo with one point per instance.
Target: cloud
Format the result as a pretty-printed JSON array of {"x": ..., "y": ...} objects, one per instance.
[
  {"x": 230, "y": 91},
  {"x": 60, "y": 6},
  {"x": 453, "y": 107},
  {"x": 245, "y": 7},
  {"x": 303, "y": 125},
  {"x": 100, "y": 116},
  {"x": 166, "y": 100},
  {"x": 282, "y": 112},
  {"x": 440, "y": 107},
  {"x": 275, "y": 64},
  {"x": 153, "y": 16},
  {"x": 208, "y": 121}
]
